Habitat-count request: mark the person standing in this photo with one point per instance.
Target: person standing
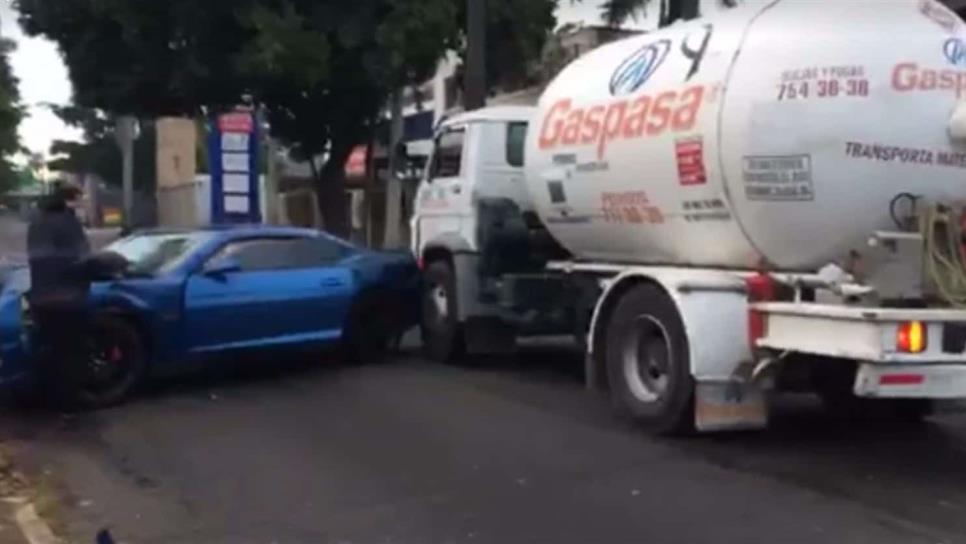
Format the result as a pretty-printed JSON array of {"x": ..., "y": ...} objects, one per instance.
[{"x": 56, "y": 248}]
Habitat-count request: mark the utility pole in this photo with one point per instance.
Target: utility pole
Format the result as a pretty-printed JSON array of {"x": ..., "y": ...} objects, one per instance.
[
  {"x": 271, "y": 215},
  {"x": 475, "y": 78},
  {"x": 392, "y": 238},
  {"x": 672, "y": 10},
  {"x": 690, "y": 9},
  {"x": 126, "y": 131}
]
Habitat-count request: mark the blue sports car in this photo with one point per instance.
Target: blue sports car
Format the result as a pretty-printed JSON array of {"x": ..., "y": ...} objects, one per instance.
[{"x": 188, "y": 295}]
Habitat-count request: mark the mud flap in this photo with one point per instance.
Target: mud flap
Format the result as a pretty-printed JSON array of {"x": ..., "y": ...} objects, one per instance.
[{"x": 729, "y": 406}]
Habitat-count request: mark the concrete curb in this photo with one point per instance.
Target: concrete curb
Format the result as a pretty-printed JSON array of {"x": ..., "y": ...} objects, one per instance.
[{"x": 34, "y": 529}]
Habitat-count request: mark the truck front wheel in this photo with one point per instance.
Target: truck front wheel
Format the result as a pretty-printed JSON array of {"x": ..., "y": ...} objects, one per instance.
[
  {"x": 648, "y": 362},
  {"x": 442, "y": 333}
]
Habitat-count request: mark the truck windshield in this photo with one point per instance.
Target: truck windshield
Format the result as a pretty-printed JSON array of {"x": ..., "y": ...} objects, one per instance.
[{"x": 152, "y": 254}]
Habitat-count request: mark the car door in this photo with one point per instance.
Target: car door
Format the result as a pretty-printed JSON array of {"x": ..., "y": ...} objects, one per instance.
[
  {"x": 276, "y": 295},
  {"x": 325, "y": 306}
]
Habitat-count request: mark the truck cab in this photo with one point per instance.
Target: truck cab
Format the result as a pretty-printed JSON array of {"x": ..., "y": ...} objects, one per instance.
[{"x": 473, "y": 229}]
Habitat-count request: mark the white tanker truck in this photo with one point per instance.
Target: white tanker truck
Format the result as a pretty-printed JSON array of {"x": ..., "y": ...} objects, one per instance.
[{"x": 770, "y": 199}]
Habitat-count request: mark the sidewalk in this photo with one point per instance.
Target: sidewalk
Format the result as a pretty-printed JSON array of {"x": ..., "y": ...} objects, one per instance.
[
  {"x": 9, "y": 529},
  {"x": 12, "y": 487},
  {"x": 19, "y": 521}
]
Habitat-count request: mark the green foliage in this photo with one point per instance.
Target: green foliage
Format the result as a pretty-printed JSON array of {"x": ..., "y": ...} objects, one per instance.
[
  {"x": 143, "y": 57},
  {"x": 617, "y": 12},
  {"x": 98, "y": 153},
  {"x": 516, "y": 33},
  {"x": 322, "y": 70},
  {"x": 11, "y": 113}
]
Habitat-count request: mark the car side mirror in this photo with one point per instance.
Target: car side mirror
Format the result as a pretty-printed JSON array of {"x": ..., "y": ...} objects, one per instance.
[{"x": 221, "y": 267}]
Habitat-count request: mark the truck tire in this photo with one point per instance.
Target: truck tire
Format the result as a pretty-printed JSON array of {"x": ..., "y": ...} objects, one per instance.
[
  {"x": 442, "y": 333},
  {"x": 648, "y": 364}
]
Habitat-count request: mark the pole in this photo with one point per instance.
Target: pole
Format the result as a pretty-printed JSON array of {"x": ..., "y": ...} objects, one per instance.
[
  {"x": 126, "y": 132},
  {"x": 271, "y": 215},
  {"x": 475, "y": 83},
  {"x": 690, "y": 9},
  {"x": 672, "y": 10},
  {"x": 392, "y": 239},
  {"x": 271, "y": 184}
]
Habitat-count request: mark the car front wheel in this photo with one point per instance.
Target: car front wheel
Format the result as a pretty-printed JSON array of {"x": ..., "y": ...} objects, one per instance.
[{"x": 109, "y": 370}]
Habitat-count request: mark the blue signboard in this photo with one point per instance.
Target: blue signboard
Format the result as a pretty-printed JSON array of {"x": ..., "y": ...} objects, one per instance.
[{"x": 233, "y": 156}]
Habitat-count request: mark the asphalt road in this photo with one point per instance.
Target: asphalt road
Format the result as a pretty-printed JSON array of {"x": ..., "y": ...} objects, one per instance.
[{"x": 514, "y": 450}]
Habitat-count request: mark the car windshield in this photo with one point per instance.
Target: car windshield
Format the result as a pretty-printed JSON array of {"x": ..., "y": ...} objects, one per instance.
[{"x": 152, "y": 254}]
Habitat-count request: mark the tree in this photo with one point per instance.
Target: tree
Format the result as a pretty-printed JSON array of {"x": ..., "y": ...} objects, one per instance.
[
  {"x": 11, "y": 113},
  {"x": 98, "y": 153},
  {"x": 322, "y": 70},
  {"x": 616, "y": 12},
  {"x": 372, "y": 47},
  {"x": 517, "y": 31}
]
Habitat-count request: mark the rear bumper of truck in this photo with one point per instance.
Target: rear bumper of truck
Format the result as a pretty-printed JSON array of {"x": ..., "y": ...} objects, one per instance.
[
  {"x": 945, "y": 381},
  {"x": 869, "y": 337}
]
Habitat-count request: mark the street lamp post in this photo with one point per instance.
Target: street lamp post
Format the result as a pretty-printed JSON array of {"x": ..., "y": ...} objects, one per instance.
[
  {"x": 475, "y": 82},
  {"x": 126, "y": 131}
]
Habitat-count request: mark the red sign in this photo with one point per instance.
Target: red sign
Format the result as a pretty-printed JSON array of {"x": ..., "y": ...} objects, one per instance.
[
  {"x": 690, "y": 155},
  {"x": 236, "y": 122},
  {"x": 355, "y": 165}
]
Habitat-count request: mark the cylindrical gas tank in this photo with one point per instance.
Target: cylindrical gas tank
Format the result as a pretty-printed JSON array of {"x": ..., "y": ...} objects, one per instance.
[{"x": 778, "y": 131}]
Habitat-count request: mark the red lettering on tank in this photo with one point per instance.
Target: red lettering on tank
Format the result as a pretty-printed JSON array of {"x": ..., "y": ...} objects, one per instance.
[
  {"x": 909, "y": 76},
  {"x": 661, "y": 113},
  {"x": 553, "y": 124},
  {"x": 601, "y": 124},
  {"x": 571, "y": 134},
  {"x": 637, "y": 117},
  {"x": 592, "y": 124},
  {"x": 902, "y": 79},
  {"x": 613, "y": 123},
  {"x": 687, "y": 115}
]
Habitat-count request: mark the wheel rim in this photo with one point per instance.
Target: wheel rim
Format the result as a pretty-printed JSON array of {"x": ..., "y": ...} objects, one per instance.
[
  {"x": 108, "y": 365},
  {"x": 440, "y": 302},
  {"x": 437, "y": 306},
  {"x": 646, "y": 356}
]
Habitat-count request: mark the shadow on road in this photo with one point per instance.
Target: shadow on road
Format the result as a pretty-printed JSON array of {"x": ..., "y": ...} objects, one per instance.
[{"x": 916, "y": 472}]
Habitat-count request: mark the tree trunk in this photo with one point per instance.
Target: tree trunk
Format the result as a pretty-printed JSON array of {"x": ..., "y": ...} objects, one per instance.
[
  {"x": 392, "y": 239},
  {"x": 672, "y": 10},
  {"x": 475, "y": 76},
  {"x": 330, "y": 190}
]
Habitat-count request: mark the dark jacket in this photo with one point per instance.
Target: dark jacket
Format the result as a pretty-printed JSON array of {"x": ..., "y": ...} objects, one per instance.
[{"x": 56, "y": 247}]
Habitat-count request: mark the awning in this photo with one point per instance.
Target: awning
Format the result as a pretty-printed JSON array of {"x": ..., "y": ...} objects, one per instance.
[{"x": 355, "y": 165}]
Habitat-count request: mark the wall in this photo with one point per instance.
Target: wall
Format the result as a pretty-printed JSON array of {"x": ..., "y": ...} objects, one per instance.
[{"x": 176, "y": 151}]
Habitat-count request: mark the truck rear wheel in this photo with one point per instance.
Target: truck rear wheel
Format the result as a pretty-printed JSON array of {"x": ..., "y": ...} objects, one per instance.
[
  {"x": 648, "y": 364},
  {"x": 442, "y": 334}
]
